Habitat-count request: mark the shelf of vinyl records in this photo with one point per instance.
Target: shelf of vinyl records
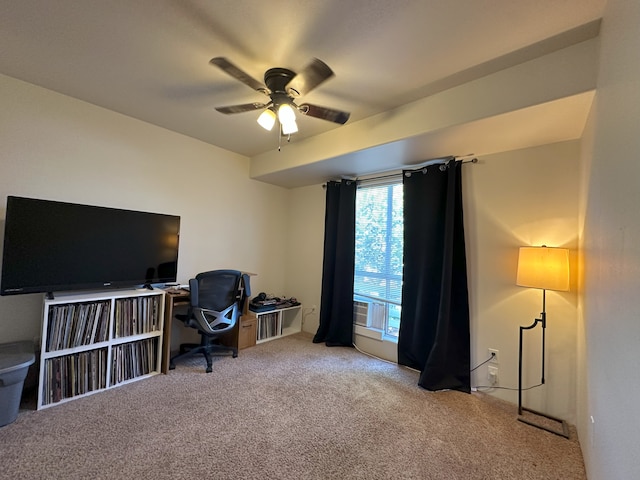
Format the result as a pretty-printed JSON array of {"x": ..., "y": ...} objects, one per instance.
[
  {"x": 278, "y": 323},
  {"x": 95, "y": 341}
]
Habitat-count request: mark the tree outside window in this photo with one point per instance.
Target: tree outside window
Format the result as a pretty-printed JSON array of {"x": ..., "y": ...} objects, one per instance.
[{"x": 379, "y": 254}]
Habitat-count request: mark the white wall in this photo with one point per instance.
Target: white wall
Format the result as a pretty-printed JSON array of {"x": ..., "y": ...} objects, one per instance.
[
  {"x": 513, "y": 199},
  {"x": 610, "y": 332},
  {"x": 305, "y": 250},
  {"x": 58, "y": 148}
]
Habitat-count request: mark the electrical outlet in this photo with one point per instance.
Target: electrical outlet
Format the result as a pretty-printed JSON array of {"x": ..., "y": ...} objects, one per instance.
[
  {"x": 492, "y": 375},
  {"x": 493, "y": 353}
]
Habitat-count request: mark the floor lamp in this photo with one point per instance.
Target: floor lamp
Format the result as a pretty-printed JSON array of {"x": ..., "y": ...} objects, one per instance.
[{"x": 545, "y": 268}]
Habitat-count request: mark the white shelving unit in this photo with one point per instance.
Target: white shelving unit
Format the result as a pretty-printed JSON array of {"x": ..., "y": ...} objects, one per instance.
[
  {"x": 278, "y": 323},
  {"x": 98, "y": 340}
]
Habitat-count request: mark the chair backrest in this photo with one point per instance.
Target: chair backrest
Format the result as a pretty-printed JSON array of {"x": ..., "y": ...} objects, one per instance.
[
  {"x": 215, "y": 299},
  {"x": 216, "y": 290}
]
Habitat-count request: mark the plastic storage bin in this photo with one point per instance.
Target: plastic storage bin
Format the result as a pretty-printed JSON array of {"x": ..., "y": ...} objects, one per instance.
[{"x": 15, "y": 359}]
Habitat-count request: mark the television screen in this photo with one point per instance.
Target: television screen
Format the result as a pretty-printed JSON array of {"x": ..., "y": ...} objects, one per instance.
[{"x": 56, "y": 246}]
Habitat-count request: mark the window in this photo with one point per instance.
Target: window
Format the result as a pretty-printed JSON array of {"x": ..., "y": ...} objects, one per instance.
[{"x": 378, "y": 258}]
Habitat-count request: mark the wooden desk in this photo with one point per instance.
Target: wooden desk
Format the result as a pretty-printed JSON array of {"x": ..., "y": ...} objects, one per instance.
[
  {"x": 172, "y": 299},
  {"x": 181, "y": 298}
]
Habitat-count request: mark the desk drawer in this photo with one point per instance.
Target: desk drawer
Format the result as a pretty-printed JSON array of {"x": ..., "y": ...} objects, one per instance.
[{"x": 247, "y": 333}]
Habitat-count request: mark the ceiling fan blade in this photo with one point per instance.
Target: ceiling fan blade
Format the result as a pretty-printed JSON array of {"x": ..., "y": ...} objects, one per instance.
[
  {"x": 246, "y": 107},
  {"x": 309, "y": 78},
  {"x": 324, "y": 113},
  {"x": 229, "y": 68}
]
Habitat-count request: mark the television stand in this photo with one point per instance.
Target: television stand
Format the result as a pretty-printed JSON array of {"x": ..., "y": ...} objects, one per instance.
[{"x": 98, "y": 340}]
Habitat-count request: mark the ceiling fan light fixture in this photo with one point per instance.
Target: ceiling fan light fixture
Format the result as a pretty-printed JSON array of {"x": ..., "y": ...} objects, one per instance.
[
  {"x": 289, "y": 127},
  {"x": 267, "y": 119},
  {"x": 286, "y": 114},
  {"x": 282, "y": 85}
]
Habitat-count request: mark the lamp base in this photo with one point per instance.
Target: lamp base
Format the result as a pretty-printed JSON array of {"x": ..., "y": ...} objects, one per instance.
[{"x": 563, "y": 425}]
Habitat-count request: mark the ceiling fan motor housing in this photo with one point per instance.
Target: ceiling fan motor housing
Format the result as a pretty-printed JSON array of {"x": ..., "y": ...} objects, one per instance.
[{"x": 276, "y": 79}]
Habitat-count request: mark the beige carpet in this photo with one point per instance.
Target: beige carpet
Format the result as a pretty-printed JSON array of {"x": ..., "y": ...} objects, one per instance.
[{"x": 286, "y": 409}]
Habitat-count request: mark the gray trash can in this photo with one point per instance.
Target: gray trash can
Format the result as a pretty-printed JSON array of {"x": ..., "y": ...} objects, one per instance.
[{"x": 15, "y": 359}]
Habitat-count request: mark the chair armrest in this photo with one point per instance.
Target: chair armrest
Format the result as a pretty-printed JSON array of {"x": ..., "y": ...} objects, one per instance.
[
  {"x": 193, "y": 292},
  {"x": 246, "y": 285}
]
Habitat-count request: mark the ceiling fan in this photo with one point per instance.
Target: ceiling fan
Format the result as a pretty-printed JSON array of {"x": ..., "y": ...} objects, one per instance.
[{"x": 282, "y": 86}]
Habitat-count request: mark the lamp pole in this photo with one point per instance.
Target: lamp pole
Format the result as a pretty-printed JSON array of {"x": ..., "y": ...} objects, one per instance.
[
  {"x": 543, "y": 321},
  {"x": 565, "y": 428}
]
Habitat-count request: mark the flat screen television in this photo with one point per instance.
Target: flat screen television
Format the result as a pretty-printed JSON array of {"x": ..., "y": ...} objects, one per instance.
[{"x": 54, "y": 246}]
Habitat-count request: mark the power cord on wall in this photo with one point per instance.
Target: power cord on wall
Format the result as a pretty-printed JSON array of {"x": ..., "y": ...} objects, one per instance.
[
  {"x": 306, "y": 311},
  {"x": 486, "y": 361},
  {"x": 486, "y": 387},
  {"x": 383, "y": 359},
  {"x": 495, "y": 387},
  {"x": 374, "y": 356}
]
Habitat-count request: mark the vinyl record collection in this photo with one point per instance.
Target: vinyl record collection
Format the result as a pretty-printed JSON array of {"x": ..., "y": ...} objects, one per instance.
[
  {"x": 136, "y": 315},
  {"x": 77, "y": 374},
  {"x": 76, "y": 324},
  {"x": 131, "y": 360},
  {"x": 268, "y": 326},
  {"x": 95, "y": 345}
]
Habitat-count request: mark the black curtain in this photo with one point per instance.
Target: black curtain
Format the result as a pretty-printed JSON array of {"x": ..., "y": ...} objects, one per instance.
[
  {"x": 434, "y": 324},
  {"x": 336, "y": 302}
]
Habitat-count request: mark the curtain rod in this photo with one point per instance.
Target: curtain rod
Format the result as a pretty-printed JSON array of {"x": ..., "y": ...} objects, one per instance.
[
  {"x": 444, "y": 165},
  {"x": 444, "y": 161}
]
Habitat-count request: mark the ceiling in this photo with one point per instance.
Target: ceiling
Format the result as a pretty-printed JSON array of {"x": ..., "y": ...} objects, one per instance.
[{"x": 149, "y": 59}]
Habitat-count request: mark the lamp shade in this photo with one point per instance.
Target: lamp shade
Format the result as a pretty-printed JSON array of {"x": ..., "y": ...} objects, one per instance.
[
  {"x": 267, "y": 119},
  {"x": 286, "y": 114},
  {"x": 543, "y": 267},
  {"x": 289, "y": 128},
  {"x": 287, "y": 118}
]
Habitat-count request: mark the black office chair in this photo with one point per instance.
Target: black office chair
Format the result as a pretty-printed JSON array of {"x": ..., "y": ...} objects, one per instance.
[{"x": 217, "y": 299}]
